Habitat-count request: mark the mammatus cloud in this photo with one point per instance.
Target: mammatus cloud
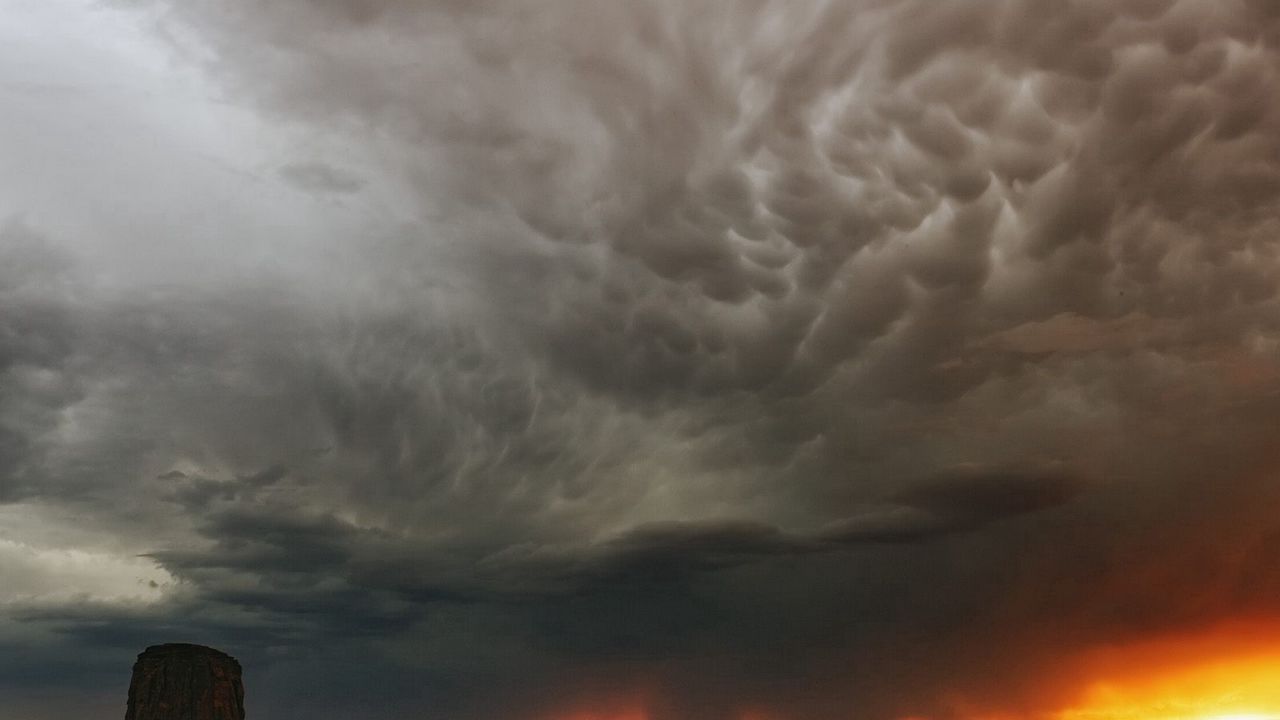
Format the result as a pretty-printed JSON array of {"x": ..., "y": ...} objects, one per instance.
[{"x": 678, "y": 359}]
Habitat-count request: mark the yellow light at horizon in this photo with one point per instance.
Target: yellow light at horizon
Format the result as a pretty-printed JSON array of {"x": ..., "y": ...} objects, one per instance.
[{"x": 1245, "y": 688}]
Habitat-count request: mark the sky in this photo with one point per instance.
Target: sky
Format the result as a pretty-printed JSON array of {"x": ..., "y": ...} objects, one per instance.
[{"x": 644, "y": 360}]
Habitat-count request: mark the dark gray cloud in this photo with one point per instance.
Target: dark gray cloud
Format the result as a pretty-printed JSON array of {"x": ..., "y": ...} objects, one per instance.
[
  {"x": 696, "y": 359},
  {"x": 320, "y": 177},
  {"x": 37, "y": 342}
]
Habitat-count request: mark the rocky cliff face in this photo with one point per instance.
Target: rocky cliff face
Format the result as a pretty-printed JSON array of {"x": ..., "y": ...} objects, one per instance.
[{"x": 185, "y": 682}]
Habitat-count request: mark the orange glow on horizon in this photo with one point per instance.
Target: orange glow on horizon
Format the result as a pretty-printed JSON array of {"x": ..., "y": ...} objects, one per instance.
[
  {"x": 1227, "y": 672},
  {"x": 1230, "y": 673}
]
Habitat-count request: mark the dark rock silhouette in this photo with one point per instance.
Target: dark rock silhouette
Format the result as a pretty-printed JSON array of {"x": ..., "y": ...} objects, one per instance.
[{"x": 185, "y": 682}]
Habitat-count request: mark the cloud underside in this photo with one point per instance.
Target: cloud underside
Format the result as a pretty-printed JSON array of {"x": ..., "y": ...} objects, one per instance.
[{"x": 798, "y": 359}]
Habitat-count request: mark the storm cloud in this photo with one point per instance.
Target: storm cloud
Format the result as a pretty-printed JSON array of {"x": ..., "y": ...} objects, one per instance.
[{"x": 749, "y": 359}]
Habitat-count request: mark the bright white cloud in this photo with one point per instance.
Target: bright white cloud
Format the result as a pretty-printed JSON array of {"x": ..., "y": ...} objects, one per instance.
[{"x": 52, "y": 575}]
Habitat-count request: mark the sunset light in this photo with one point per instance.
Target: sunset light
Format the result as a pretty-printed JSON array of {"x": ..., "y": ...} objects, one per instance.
[
  {"x": 1226, "y": 675},
  {"x": 640, "y": 359}
]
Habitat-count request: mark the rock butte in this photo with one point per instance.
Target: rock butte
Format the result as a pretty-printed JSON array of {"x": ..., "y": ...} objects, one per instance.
[{"x": 185, "y": 682}]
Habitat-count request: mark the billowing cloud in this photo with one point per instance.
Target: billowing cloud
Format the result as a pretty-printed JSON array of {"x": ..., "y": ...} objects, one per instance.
[{"x": 746, "y": 359}]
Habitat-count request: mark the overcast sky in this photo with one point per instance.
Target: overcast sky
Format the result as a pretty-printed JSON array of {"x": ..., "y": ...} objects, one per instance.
[{"x": 643, "y": 360}]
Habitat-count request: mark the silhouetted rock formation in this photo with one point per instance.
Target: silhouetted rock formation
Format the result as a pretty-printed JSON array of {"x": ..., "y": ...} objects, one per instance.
[{"x": 185, "y": 682}]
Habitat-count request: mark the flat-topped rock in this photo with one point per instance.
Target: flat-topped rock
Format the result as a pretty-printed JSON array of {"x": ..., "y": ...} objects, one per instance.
[{"x": 185, "y": 682}]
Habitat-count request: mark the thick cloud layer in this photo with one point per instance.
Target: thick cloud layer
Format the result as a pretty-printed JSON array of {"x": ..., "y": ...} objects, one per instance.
[{"x": 645, "y": 359}]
